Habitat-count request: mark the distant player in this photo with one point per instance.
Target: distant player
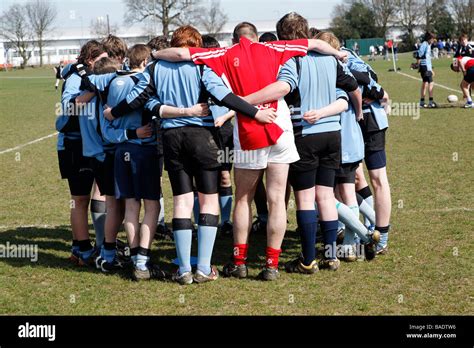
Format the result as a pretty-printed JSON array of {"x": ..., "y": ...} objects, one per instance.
[
  {"x": 466, "y": 66},
  {"x": 58, "y": 70},
  {"x": 426, "y": 70},
  {"x": 464, "y": 49}
]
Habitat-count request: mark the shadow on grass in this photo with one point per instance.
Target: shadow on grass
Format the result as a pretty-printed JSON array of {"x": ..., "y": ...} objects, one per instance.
[{"x": 54, "y": 246}]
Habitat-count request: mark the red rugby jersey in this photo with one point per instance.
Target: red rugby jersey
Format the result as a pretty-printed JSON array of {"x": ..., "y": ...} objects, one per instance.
[
  {"x": 247, "y": 68},
  {"x": 466, "y": 62}
]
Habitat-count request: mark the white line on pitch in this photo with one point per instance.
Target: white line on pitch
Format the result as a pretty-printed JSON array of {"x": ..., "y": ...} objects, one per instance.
[
  {"x": 436, "y": 84},
  {"x": 29, "y": 143}
]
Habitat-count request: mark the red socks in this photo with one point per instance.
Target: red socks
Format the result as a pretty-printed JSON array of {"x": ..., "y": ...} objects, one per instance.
[
  {"x": 272, "y": 257},
  {"x": 240, "y": 254}
]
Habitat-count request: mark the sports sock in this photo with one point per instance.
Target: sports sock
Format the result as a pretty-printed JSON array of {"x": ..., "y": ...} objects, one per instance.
[
  {"x": 352, "y": 222},
  {"x": 383, "y": 235},
  {"x": 272, "y": 257},
  {"x": 143, "y": 257},
  {"x": 307, "y": 227},
  {"x": 75, "y": 246},
  {"x": 367, "y": 211},
  {"x": 98, "y": 213},
  {"x": 196, "y": 208},
  {"x": 225, "y": 202},
  {"x": 366, "y": 195},
  {"x": 133, "y": 255},
  {"x": 207, "y": 230},
  {"x": 85, "y": 248},
  {"x": 329, "y": 229},
  {"x": 108, "y": 251},
  {"x": 431, "y": 99},
  {"x": 182, "y": 230},
  {"x": 240, "y": 254},
  {"x": 161, "y": 216}
]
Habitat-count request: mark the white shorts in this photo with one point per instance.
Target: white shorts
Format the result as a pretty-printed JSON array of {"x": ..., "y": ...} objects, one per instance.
[{"x": 284, "y": 151}]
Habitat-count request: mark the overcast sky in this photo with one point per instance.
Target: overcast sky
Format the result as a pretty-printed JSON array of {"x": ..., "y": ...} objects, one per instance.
[{"x": 77, "y": 13}]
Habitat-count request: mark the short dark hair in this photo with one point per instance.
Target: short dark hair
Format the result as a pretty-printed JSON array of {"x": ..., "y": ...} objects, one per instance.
[
  {"x": 429, "y": 36},
  {"x": 106, "y": 65},
  {"x": 90, "y": 51},
  {"x": 137, "y": 55},
  {"x": 115, "y": 47},
  {"x": 266, "y": 37},
  {"x": 313, "y": 32},
  {"x": 158, "y": 43},
  {"x": 240, "y": 29},
  {"x": 292, "y": 26},
  {"x": 209, "y": 41}
]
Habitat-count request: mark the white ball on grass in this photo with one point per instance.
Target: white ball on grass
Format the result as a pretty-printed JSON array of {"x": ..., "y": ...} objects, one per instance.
[{"x": 453, "y": 98}]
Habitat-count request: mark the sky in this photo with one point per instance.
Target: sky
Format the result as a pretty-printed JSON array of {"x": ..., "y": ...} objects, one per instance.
[{"x": 79, "y": 13}]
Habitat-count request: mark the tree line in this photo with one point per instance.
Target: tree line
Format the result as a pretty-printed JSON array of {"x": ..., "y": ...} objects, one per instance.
[{"x": 361, "y": 19}]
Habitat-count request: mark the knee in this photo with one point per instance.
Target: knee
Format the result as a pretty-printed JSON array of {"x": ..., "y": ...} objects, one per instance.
[
  {"x": 225, "y": 179},
  {"x": 81, "y": 202}
]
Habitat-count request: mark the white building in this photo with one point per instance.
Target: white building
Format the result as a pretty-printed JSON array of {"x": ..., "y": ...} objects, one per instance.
[{"x": 63, "y": 45}]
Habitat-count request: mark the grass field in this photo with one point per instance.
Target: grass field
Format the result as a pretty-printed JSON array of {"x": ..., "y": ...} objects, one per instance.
[{"x": 429, "y": 269}]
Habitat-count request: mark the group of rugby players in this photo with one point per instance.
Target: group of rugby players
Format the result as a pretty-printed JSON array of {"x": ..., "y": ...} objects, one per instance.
[{"x": 307, "y": 113}]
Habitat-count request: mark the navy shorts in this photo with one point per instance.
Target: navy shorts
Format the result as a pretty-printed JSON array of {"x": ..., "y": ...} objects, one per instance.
[
  {"x": 137, "y": 171},
  {"x": 104, "y": 174},
  {"x": 376, "y": 160},
  {"x": 75, "y": 168}
]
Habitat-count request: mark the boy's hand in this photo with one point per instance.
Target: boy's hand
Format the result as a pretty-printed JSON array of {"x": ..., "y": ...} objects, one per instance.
[
  {"x": 266, "y": 116},
  {"x": 144, "y": 131},
  {"x": 343, "y": 56},
  {"x": 199, "y": 110},
  {"x": 312, "y": 116},
  {"x": 108, "y": 113},
  {"x": 219, "y": 122}
]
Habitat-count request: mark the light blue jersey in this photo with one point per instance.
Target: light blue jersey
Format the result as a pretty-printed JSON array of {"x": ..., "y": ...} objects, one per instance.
[
  {"x": 424, "y": 53},
  {"x": 67, "y": 123},
  {"x": 177, "y": 84},
  {"x": 352, "y": 140},
  {"x": 315, "y": 78}
]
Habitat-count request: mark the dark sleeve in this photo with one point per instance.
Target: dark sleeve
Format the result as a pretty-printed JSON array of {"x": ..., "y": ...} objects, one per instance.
[
  {"x": 345, "y": 80},
  {"x": 235, "y": 103},
  {"x": 132, "y": 134},
  {"x": 373, "y": 93},
  {"x": 362, "y": 78}
]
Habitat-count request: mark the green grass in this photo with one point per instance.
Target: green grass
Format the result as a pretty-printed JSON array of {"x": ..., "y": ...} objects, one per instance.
[{"x": 427, "y": 271}]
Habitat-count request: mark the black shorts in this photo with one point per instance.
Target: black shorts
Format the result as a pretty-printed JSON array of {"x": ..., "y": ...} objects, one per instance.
[
  {"x": 374, "y": 141},
  {"x": 75, "y": 168},
  {"x": 375, "y": 160},
  {"x": 226, "y": 142},
  {"x": 190, "y": 149},
  {"x": 347, "y": 173},
  {"x": 427, "y": 76},
  {"x": 104, "y": 174},
  {"x": 469, "y": 78},
  {"x": 320, "y": 157},
  {"x": 137, "y": 172}
]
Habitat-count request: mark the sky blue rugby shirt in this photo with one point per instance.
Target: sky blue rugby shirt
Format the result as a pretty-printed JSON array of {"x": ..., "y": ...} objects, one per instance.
[
  {"x": 424, "y": 52},
  {"x": 320, "y": 81},
  {"x": 177, "y": 84}
]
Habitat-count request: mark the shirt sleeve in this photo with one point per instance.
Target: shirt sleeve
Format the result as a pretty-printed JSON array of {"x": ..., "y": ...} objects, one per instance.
[
  {"x": 285, "y": 50},
  {"x": 101, "y": 81},
  {"x": 139, "y": 95},
  {"x": 212, "y": 57},
  {"x": 289, "y": 74},
  {"x": 345, "y": 80},
  {"x": 341, "y": 94}
]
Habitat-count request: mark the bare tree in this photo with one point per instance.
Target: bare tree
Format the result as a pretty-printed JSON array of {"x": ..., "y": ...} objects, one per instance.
[
  {"x": 464, "y": 14},
  {"x": 169, "y": 13},
  {"x": 16, "y": 29},
  {"x": 41, "y": 14},
  {"x": 99, "y": 28},
  {"x": 214, "y": 19},
  {"x": 384, "y": 12},
  {"x": 409, "y": 14}
]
